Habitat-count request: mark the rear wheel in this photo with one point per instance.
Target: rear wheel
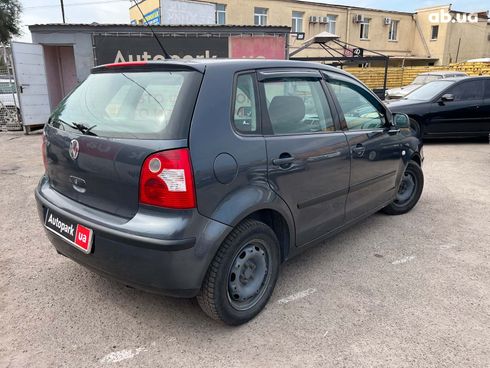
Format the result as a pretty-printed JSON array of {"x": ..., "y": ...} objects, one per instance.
[
  {"x": 242, "y": 275},
  {"x": 409, "y": 191}
]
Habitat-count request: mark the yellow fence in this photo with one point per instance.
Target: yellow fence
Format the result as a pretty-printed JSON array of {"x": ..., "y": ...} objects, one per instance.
[{"x": 397, "y": 77}]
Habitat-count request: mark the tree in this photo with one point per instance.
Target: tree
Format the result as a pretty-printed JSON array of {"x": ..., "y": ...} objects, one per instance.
[{"x": 9, "y": 19}]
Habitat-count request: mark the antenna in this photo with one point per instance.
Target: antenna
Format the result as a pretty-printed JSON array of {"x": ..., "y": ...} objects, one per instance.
[{"x": 165, "y": 53}]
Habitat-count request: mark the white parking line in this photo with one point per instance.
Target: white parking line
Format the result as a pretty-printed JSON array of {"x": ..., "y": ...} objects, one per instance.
[
  {"x": 403, "y": 260},
  {"x": 119, "y": 356},
  {"x": 299, "y": 295}
]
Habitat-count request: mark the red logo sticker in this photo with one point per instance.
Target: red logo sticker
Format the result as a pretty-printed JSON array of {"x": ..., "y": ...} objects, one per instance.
[{"x": 82, "y": 237}]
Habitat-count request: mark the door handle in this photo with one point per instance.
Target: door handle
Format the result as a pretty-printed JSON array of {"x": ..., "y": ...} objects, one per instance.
[
  {"x": 285, "y": 160},
  {"x": 359, "y": 150}
]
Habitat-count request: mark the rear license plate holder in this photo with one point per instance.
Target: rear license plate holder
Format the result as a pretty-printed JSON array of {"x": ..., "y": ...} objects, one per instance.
[{"x": 75, "y": 234}]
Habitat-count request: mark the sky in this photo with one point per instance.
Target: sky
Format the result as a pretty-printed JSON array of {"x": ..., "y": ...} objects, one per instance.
[{"x": 116, "y": 11}]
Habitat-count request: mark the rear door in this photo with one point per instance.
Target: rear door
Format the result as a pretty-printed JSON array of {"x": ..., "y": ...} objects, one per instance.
[
  {"x": 375, "y": 150},
  {"x": 30, "y": 76},
  {"x": 308, "y": 157},
  {"x": 464, "y": 115}
]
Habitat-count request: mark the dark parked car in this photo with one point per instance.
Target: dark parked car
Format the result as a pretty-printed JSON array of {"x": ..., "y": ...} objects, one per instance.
[
  {"x": 453, "y": 108},
  {"x": 199, "y": 178}
]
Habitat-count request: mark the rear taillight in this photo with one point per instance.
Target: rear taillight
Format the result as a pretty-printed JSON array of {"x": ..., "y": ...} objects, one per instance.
[
  {"x": 166, "y": 180},
  {"x": 43, "y": 151}
]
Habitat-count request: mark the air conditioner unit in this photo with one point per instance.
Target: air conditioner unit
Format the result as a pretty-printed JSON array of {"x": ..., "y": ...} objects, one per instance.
[
  {"x": 313, "y": 19},
  {"x": 358, "y": 18},
  {"x": 387, "y": 21},
  {"x": 323, "y": 20}
]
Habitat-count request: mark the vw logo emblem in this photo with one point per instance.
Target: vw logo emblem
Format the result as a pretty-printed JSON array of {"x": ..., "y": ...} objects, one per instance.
[{"x": 74, "y": 149}]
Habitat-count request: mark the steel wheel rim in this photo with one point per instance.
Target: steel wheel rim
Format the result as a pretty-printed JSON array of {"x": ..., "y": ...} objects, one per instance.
[
  {"x": 249, "y": 275},
  {"x": 406, "y": 191}
]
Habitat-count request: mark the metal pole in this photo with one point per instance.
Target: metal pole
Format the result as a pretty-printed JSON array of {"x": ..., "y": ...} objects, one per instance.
[
  {"x": 385, "y": 82},
  {"x": 457, "y": 52},
  {"x": 63, "y": 11}
]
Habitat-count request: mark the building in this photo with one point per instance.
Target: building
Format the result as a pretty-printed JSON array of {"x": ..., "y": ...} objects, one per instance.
[
  {"x": 430, "y": 36},
  {"x": 61, "y": 55}
]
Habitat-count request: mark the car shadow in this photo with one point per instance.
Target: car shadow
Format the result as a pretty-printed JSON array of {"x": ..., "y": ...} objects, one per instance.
[{"x": 459, "y": 141}]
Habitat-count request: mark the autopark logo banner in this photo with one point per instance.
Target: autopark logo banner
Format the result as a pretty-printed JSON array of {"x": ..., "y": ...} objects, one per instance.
[
  {"x": 116, "y": 49},
  {"x": 443, "y": 16},
  {"x": 119, "y": 49}
]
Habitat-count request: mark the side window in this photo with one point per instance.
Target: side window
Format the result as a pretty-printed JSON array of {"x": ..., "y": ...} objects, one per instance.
[
  {"x": 297, "y": 106},
  {"x": 360, "y": 109},
  {"x": 472, "y": 90},
  {"x": 245, "y": 109},
  {"x": 487, "y": 89}
]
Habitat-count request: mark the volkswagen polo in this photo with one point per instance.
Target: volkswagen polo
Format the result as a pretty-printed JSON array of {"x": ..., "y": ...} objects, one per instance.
[{"x": 199, "y": 178}]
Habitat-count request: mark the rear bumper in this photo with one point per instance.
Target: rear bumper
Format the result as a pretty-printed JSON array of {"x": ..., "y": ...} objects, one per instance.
[{"x": 167, "y": 252}]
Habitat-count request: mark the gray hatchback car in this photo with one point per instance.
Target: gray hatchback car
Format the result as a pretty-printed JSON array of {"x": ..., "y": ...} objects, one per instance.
[{"x": 197, "y": 179}]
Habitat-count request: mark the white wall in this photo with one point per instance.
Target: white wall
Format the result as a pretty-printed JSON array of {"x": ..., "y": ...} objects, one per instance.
[{"x": 187, "y": 12}]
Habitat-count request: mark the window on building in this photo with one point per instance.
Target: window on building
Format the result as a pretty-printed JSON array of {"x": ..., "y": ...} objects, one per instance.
[
  {"x": 297, "y": 22},
  {"x": 260, "y": 16},
  {"x": 220, "y": 14},
  {"x": 434, "y": 32},
  {"x": 393, "y": 32},
  {"x": 364, "y": 30},
  {"x": 331, "y": 23}
]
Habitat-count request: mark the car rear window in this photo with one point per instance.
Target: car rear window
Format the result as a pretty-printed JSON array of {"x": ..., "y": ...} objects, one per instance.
[{"x": 144, "y": 105}]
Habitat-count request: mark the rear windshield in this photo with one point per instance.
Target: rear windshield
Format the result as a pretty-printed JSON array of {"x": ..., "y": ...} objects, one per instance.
[{"x": 145, "y": 105}]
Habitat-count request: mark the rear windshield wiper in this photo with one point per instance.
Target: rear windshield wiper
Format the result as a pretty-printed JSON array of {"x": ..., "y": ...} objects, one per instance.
[
  {"x": 83, "y": 128},
  {"x": 79, "y": 126}
]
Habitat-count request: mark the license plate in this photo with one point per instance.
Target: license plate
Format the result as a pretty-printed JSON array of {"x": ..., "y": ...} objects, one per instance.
[{"x": 77, "y": 235}]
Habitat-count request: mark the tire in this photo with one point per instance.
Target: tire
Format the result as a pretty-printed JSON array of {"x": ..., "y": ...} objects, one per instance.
[
  {"x": 415, "y": 128},
  {"x": 407, "y": 196},
  {"x": 252, "y": 249}
]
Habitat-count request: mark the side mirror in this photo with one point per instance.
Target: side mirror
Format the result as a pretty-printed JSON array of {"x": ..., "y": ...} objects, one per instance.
[
  {"x": 401, "y": 120},
  {"x": 447, "y": 97}
]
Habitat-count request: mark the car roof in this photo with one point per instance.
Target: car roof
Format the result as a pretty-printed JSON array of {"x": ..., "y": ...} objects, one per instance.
[
  {"x": 233, "y": 64},
  {"x": 443, "y": 72},
  {"x": 467, "y": 78}
]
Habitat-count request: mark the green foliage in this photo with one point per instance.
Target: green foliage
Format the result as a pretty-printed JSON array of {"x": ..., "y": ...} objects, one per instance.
[{"x": 9, "y": 19}]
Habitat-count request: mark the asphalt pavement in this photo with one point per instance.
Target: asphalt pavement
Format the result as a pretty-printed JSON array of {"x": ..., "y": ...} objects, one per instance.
[{"x": 405, "y": 291}]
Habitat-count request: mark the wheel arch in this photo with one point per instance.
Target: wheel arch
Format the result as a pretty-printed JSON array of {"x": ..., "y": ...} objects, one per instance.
[
  {"x": 416, "y": 157},
  {"x": 276, "y": 221},
  {"x": 262, "y": 203}
]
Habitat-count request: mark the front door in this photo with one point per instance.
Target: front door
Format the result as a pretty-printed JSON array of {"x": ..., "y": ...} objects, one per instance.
[
  {"x": 308, "y": 157},
  {"x": 375, "y": 150},
  {"x": 463, "y": 115}
]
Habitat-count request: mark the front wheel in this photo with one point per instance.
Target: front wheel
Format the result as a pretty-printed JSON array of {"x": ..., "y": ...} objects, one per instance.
[
  {"x": 242, "y": 275},
  {"x": 415, "y": 128},
  {"x": 409, "y": 191}
]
